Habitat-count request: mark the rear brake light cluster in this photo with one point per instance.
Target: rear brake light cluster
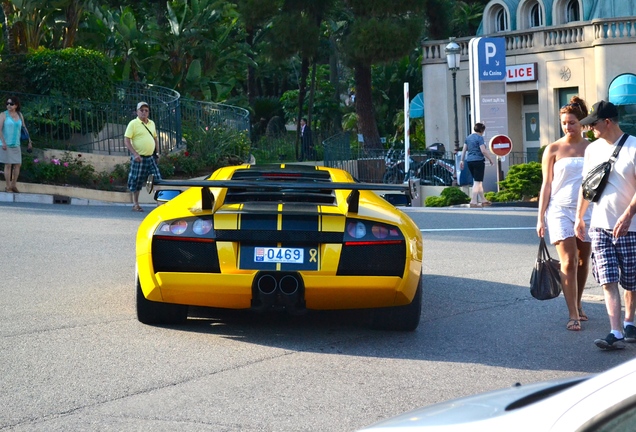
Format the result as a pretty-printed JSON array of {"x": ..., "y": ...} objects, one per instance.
[
  {"x": 192, "y": 228},
  {"x": 363, "y": 232}
]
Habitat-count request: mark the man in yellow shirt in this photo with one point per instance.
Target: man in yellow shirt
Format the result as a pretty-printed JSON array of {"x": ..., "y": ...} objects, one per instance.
[{"x": 141, "y": 141}]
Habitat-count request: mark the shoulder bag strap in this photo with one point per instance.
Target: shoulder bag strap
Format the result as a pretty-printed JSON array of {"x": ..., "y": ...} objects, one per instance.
[
  {"x": 153, "y": 137},
  {"x": 617, "y": 148}
]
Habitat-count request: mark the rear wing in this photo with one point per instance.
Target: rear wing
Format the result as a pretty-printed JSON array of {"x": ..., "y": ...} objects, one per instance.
[{"x": 207, "y": 199}]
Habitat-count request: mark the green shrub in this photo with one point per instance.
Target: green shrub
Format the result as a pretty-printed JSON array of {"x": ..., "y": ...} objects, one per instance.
[
  {"x": 274, "y": 150},
  {"x": 207, "y": 150},
  {"x": 79, "y": 82},
  {"x": 66, "y": 170},
  {"x": 76, "y": 73},
  {"x": 449, "y": 196},
  {"x": 523, "y": 182}
]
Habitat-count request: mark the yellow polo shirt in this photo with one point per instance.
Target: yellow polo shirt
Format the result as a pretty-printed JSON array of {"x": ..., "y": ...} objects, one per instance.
[{"x": 141, "y": 140}]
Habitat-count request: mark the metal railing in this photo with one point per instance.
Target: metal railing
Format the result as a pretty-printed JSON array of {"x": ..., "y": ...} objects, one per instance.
[{"x": 98, "y": 127}]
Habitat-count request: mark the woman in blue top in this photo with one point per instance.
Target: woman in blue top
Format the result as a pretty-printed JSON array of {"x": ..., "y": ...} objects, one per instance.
[
  {"x": 11, "y": 122},
  {"x": 475, "y": 154}
]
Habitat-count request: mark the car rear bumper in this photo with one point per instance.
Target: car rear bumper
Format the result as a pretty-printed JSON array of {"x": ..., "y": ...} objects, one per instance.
[{"x": 316, "y": 291}]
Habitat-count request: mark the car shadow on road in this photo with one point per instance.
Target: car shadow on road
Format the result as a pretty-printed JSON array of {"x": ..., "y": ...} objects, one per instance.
[{"x": 463, "y": 321}]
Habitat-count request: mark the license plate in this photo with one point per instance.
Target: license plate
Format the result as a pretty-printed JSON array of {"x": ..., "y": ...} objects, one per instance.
[{"x": 278, "y": 255}]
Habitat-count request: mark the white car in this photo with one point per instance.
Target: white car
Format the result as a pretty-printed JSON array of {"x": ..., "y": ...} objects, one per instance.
[{"x": 605, "y": 402}]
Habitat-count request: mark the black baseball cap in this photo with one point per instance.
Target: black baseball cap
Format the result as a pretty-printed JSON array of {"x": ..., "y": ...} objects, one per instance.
[{"x": 600, "y": 111}]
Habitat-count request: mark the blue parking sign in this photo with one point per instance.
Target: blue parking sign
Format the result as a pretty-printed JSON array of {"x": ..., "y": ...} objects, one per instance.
[{"x": 492, "y": 59}]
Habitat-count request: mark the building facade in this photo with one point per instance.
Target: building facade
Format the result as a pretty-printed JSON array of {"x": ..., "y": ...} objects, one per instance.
[{"x": 554, "y": 49}]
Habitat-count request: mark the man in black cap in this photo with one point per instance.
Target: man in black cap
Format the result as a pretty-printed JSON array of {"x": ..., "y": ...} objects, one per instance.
[{"x": 612, "y": 227}]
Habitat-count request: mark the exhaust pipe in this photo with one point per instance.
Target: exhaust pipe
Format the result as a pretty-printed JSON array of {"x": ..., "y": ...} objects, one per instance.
[
  {"x": 267, "y": 287},
  {"x": 278, "y": 292},
  {"x": 290, "y": 295}
]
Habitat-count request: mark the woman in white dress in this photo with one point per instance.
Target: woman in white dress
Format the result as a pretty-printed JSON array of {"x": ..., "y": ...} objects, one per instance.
[{"x": 562, "y": 168}]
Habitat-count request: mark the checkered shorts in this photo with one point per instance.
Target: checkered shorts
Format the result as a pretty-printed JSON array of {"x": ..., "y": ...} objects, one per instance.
[
  {"x": 614, "y": 258},
  {"x": 139, "y": 172}
]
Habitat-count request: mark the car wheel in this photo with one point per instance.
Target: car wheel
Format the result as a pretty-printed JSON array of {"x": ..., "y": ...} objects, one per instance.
[
  {"x": 399, "y": 318},
  {"x": 150, "y": 312}
]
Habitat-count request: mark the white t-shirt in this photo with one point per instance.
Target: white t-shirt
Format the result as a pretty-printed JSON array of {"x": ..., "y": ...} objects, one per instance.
[{"x": 621, "y": 184}]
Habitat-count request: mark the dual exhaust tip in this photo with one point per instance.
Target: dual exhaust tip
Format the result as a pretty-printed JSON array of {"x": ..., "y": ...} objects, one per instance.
[{"x": 278, "y": 292}]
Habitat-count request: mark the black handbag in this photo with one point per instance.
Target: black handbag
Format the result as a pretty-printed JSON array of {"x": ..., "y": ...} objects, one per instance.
[
  {"x": 596, "y": 179},
  {"x": 545, "y": 281}
]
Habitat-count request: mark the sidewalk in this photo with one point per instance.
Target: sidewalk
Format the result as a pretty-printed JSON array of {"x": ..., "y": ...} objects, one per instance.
[{"x": 50, "y": 194}]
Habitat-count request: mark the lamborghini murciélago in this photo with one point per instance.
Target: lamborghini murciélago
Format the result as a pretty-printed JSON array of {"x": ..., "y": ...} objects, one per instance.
[{"x": 279, "y": 238}]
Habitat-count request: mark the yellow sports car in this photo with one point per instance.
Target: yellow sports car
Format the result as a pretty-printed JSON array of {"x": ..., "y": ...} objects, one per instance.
[{"x": 279, "y": 238}]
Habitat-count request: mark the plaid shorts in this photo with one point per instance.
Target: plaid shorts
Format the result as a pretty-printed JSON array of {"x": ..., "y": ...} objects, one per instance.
[
  {"x": 614, "y": 258},
  {"x": 139, "y": 172}
]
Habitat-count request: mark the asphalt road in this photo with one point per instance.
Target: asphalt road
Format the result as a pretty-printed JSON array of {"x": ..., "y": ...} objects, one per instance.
[{"x": 73, "y": 356}]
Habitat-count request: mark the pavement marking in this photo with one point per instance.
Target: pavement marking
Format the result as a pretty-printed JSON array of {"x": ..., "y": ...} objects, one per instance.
[{"x": 476, "y": 229}]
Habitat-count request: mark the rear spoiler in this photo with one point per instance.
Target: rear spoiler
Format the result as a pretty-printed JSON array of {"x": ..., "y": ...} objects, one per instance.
[{"x": 353, "y": 200}]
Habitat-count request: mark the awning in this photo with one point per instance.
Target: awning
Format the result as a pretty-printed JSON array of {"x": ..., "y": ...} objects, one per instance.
[
  {"x": 416, "y": 108},
  {"x": 622, "y": 91}
]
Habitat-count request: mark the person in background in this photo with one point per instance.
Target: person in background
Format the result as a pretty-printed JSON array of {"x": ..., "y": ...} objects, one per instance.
[
  {"x": 11, "y": 122},
  {"x": 612, "y": 228},
  {"x": 306, "y": 139},
  {"x": 475, "y": 154},
  {"x": 141, "y": 141},
  {"x": 562, "y": 168}
]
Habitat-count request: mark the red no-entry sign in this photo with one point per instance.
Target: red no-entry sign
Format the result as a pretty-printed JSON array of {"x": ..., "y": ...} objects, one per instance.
[{"x": 500, "y": 145}]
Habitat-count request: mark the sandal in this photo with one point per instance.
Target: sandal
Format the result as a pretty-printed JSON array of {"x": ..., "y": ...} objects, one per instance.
[
  {"x": 582, "y": 315},
  {"x": 137, "y": 208},
  {"x": 573, "y": 325},
  {"x": 486, "y": 203},
  {"x": 472, "y": 205}
]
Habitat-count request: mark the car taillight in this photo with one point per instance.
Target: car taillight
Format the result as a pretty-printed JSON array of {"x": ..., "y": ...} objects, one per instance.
[
  {"x": 363, "y": 232},
  {"x": 356, "y": 230},
  {"x": 178, "y": 227},
  {"x": 193, "y": 228},
  {"x": 202, "y": 226}
]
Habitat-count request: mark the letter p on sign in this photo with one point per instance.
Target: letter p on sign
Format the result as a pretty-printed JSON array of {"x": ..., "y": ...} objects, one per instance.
[{"x": 491, "y": 51}]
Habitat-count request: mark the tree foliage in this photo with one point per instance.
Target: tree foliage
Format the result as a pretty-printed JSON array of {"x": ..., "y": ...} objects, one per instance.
[{"x": 238, "y": 52}]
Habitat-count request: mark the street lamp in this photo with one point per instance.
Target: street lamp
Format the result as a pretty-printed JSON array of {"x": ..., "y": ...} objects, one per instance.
[{"x": 453, "y": 53}]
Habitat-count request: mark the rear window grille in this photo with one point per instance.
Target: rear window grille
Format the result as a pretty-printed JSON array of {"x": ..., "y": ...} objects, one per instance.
[{"x": 283, "y": 195}]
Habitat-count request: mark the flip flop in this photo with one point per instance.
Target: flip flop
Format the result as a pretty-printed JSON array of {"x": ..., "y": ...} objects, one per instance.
[
  {"x": 137, "y": 208},
  {"x": 573, "y": 325},
  {"x": 582, "y": 315}
]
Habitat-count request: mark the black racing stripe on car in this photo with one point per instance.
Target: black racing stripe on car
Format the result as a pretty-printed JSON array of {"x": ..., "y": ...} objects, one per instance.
[
  {"x": 292, "y": 237},
  {"x": 260, "y": 207},
  {"x": 258, "y": 221},
  {"x": 298, "y": 222}
]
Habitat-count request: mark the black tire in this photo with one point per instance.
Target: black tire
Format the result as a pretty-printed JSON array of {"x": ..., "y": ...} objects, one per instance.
[
  {"x": 150, "y": 312},
  {"x": 399, "y": 318}
]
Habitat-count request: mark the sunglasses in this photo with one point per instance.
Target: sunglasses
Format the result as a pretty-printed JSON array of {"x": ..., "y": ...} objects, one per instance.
[{"x": 10, "y": 103}]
